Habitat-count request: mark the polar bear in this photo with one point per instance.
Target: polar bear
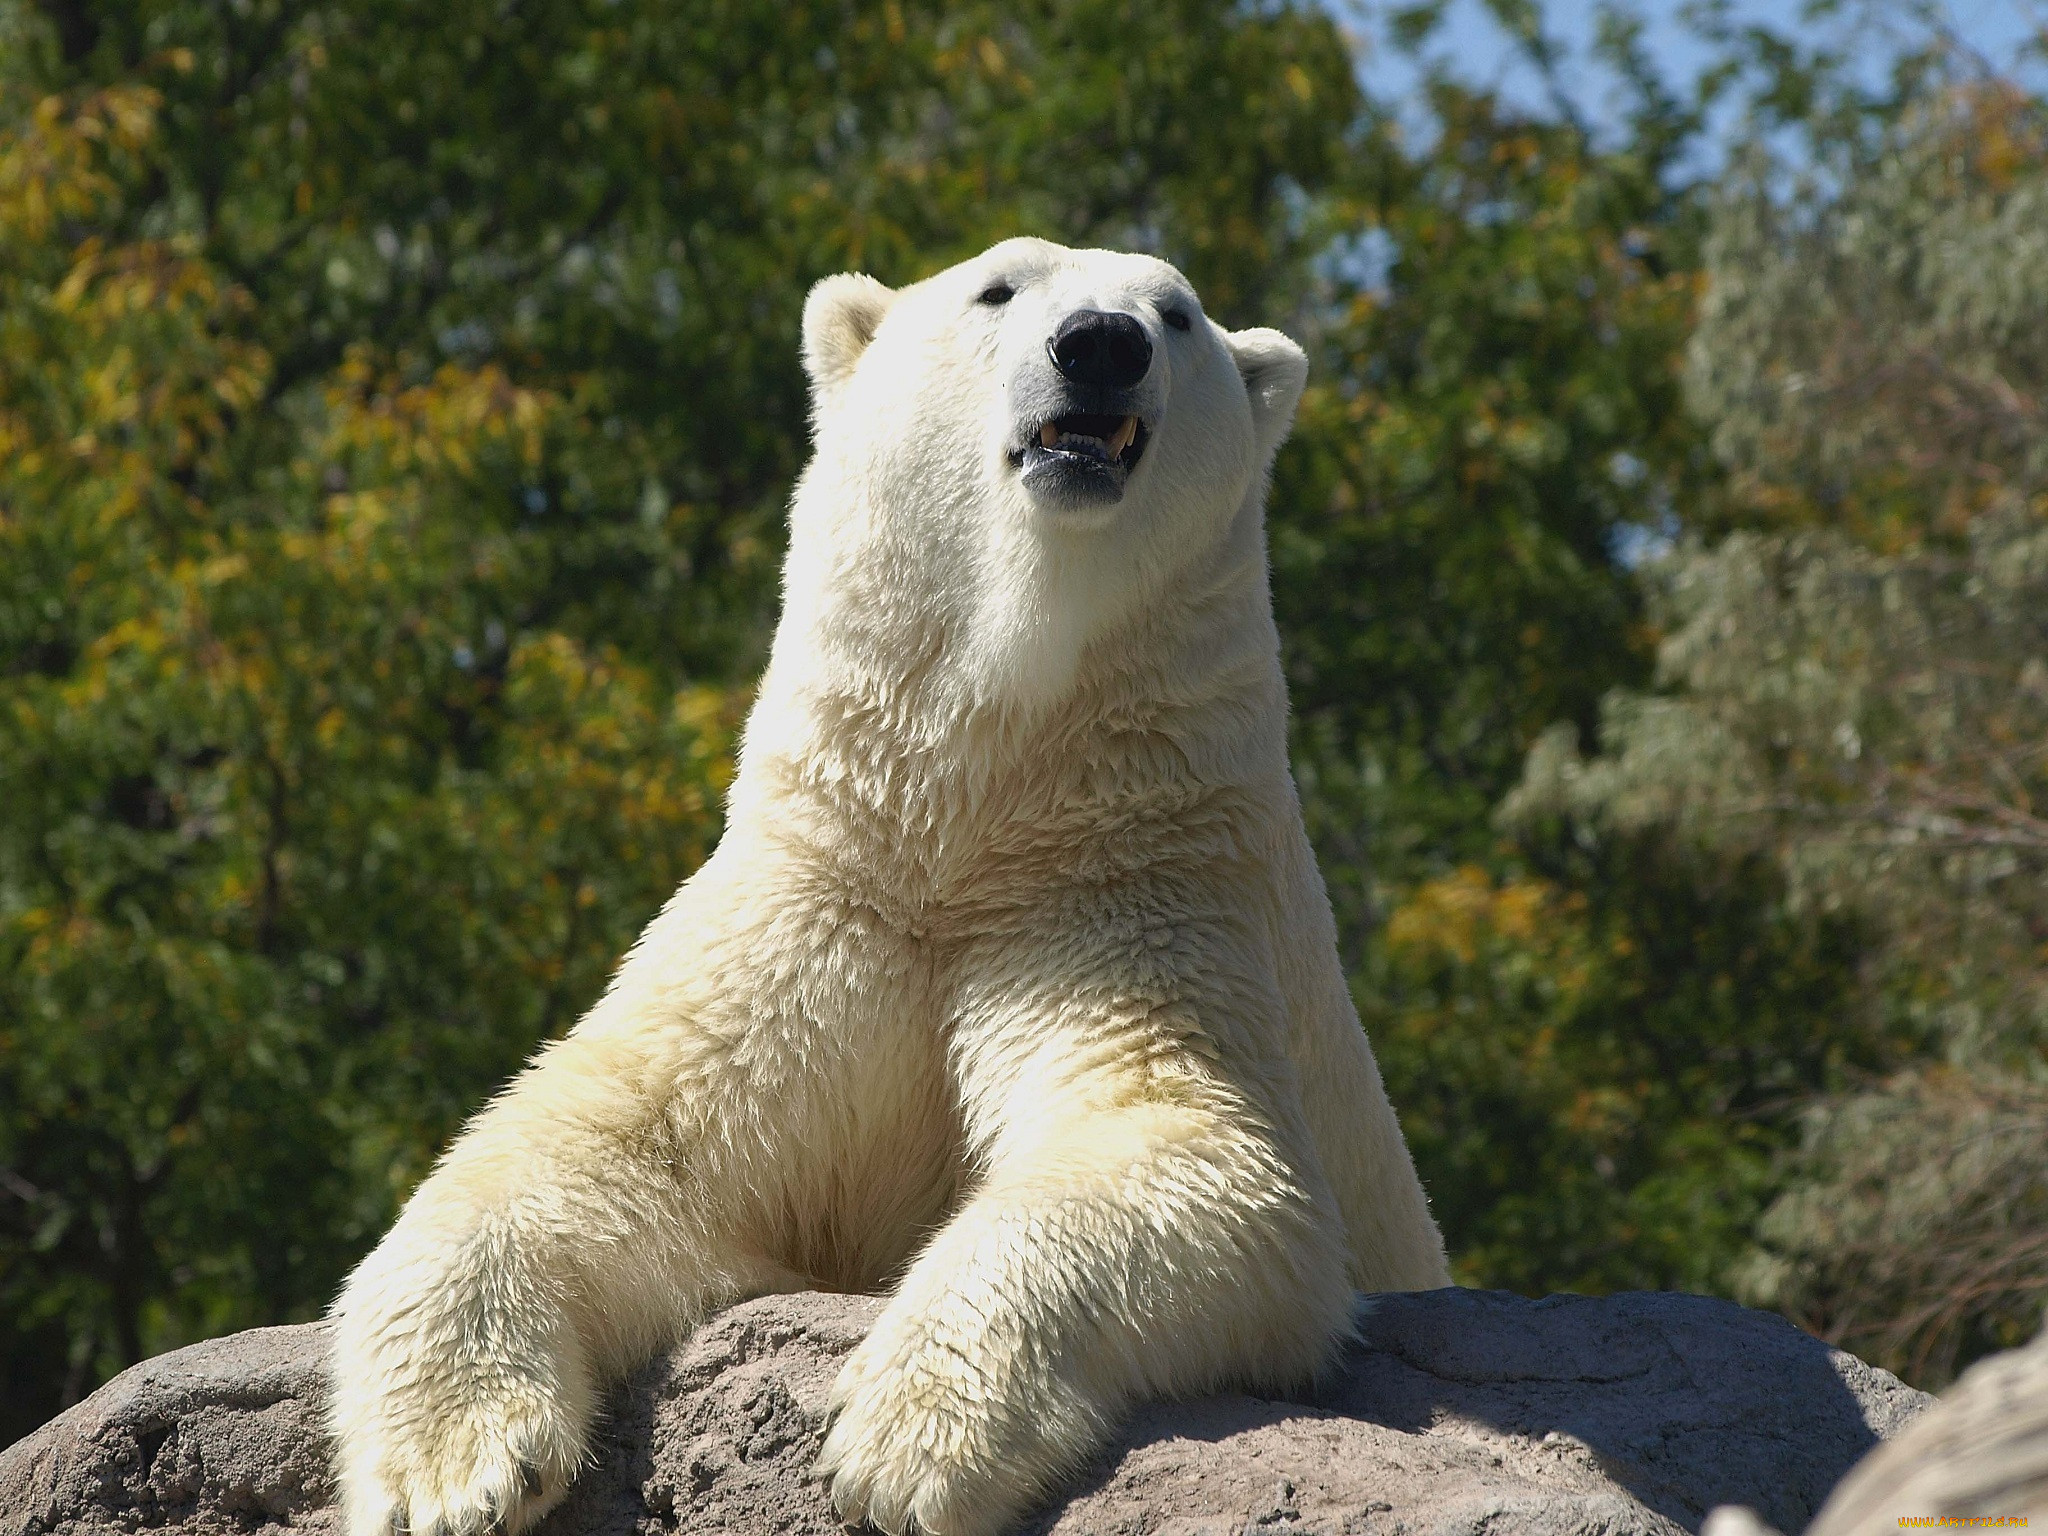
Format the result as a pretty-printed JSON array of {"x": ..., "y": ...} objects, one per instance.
[{"x": 1012, "y": 988}]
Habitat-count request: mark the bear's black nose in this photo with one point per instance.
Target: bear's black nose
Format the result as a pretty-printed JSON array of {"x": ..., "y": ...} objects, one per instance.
[{"x": 1101, "y": 350}]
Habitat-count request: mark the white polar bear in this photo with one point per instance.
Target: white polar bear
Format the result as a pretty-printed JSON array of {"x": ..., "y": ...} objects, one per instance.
[{"x": 1012, "y": 986}]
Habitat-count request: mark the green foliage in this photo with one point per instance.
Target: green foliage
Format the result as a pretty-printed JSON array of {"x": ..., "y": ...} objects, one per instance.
[
  {"x": 1596, "y": 1052},
  {"x": 623, "y": 203},
  {"x": 300, "y": 846},
  {"x": 1868, "y": 355},
  {"x": 1865, "y": 700},
  {"x": 1489, "y": 417},
  {"x": 1917, "y": 1225},
  {"x": 1596, "y": 1066}
]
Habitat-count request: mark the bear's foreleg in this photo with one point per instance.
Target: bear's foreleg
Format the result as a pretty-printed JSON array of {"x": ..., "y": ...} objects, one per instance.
[
  {"x": 1135, "y": 1249},
  {"x": 559, "y": 1241}
]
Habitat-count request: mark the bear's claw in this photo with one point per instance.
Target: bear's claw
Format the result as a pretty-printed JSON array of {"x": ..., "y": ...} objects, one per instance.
[
  {"x": 933, "y": 1437},
  {"x": 461, "y": 1479}
]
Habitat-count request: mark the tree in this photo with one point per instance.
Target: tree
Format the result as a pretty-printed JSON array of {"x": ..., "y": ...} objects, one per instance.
[
  {"x": 624, "y": 204},
  {"x": 299, "y": 844},
  {"x": 1861, "y": 695},
  {"x": 1595, "y": 1049}
]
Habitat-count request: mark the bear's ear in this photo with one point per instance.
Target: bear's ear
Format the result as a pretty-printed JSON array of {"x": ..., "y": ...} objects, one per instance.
[
  {"x": 1274, "y": 370},
  {"x": 840, "y": 319}
]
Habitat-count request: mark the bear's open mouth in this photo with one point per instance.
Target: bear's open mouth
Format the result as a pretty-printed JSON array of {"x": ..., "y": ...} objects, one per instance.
[
  {"x": 1118, "y": 440},
  {"x": 1081, "y": 458}
]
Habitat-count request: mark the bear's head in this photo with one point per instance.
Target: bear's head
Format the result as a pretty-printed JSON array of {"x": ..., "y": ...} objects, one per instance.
[{"x": 1043, "y": 436}]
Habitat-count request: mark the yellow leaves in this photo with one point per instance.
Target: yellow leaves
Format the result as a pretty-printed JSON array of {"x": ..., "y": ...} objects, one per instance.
[
  {"x": 1459, "y": 910},
  {"x": 983, "y": 55},
  {"x": 353, "y": 542},
  {"x": 1522, "y": 150},
  {"x": 443, "y": 424},
  {"x": 123, "y": 374},
  {"x": 54, "y": 938},
  {"x": 591, "y": 743},
  {"x": 1299, "y": 83},
  {"x": 713, "y": 717},
  {"x": 1996, "y": 125},
  {"x": 1605, "y": 1113},
  {"x": 17, "y": 443},
  {"x": 52, "y": 167},
  {"x": 1520, "y": 932}
]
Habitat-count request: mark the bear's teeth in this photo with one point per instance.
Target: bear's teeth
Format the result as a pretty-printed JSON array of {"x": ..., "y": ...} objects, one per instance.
[
  {"x": 1049, "y": 435},
  {"x": 1123, "y": 437}
]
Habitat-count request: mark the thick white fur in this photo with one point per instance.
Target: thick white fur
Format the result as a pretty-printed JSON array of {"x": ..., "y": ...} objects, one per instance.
[{"x": 1012, "y": 987}]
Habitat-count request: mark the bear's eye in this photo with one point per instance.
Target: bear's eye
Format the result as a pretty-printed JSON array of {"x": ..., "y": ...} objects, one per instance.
[
  {"x": 996, "y": 293},
  {"x": 1177, "y": 318}
]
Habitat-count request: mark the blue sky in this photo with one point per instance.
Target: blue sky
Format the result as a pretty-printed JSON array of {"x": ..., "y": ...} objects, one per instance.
[{"x": 1480, "y": 51}]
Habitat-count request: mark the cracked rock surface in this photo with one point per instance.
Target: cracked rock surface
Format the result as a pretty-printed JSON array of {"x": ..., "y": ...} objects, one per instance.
[{"x": 1455, "y": 1413}]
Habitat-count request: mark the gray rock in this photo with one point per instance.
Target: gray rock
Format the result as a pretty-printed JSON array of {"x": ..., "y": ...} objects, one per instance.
[
  {"x": 1981, "y": 1452},
  {"x": 1455, "y": 1412},
  {"x": 222, "y": 1436}
]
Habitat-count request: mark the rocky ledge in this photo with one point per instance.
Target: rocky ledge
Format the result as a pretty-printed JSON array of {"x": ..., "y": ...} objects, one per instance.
[{"x": 1455, "y": 1412}]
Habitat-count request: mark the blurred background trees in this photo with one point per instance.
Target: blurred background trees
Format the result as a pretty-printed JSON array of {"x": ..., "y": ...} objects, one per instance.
[
  {"x": 1856, "y": 688},
  {"x": 396, "y": 407}
]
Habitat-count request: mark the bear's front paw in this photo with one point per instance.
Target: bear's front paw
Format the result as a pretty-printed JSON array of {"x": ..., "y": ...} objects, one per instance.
[
  {"x": 494, "y": 1464},
  {"x": 929, "y": 1437},
  {"x": 889, "y": 1468}
]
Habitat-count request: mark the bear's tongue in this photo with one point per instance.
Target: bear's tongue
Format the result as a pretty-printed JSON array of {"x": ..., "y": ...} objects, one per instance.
[{"x": 1104, "y": 437}]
